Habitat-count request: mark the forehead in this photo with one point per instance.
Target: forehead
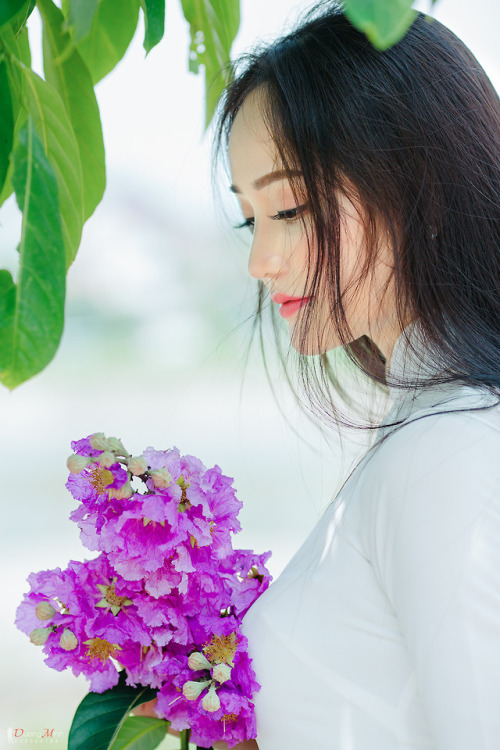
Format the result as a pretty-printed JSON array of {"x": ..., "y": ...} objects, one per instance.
[{"x": 250, "y": 145}]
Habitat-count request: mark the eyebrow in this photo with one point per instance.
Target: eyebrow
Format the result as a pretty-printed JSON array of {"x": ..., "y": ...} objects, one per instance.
[{"x": 266, "y": 179}]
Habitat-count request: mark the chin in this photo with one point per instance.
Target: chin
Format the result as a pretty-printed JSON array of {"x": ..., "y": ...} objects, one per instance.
[{"x": 314, "y": 343}]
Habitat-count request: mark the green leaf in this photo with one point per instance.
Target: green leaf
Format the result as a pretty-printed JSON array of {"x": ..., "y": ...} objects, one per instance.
[
  {"x": 9, "y": 9},
  {"x": 17, "y": 43},
  {"x": 65, "y": 70},
  {"x": 15, "y": 12},
  {"x": 112, "y": 30},
  {"x": 59, "y": 141},
  {"x": 17, "y": 52},
  {"x": 7, "y": 189},
  {"x": 154, "y": 22},
  {"x": 33, "y": 317},
  {"x": 213, "y": 27},
  {"x": 384, "y": 22},
  {"x": 7, "y": 308},
  {"x": 6, "y": 123},
  {"x": 140, "y": 733},
  {"x": 79, "y": 17},
  {"x": 16, "y": 46},
  {"x": 100, "y": 716}
]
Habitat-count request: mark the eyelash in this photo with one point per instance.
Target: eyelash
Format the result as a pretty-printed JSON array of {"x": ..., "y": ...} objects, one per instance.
[{"x": 280, "y": 216}]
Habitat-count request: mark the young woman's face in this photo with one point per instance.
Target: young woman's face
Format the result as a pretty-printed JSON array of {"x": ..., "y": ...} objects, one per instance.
[{"x": 279, "y": 253}]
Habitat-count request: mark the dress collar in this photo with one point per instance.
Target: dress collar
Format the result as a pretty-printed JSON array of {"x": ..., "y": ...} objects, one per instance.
[{"x": 414, "y": 357}]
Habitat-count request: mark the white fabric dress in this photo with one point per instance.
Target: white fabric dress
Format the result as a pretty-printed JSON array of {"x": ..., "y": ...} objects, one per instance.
[{"x": 383, "y": 631}]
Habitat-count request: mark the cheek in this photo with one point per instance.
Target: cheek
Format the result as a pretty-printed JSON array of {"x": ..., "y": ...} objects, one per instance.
[{"x": 296, "y": 251}]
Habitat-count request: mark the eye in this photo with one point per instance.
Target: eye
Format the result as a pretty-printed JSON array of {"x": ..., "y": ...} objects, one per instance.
[
  {"x": 247, "y": 223},
  {"x": 290, "y": 214}
]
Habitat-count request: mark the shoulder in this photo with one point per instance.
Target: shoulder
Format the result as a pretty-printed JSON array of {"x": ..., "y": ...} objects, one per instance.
[
  {"x": 430, "y": 483},
  {"x": 431, "y": 526},
  {"x": 436, "y": 444}
]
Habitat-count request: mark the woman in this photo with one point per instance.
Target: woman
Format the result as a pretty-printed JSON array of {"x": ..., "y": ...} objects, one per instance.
[{"x": 371, "y": 183}]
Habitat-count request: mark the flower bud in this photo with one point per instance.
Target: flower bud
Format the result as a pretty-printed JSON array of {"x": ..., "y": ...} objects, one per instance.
[
  {"x": 197, "y": 660},
  {"x": 38, "y": 636},
  {"x": 45, "y": 611},
  {"x": 116, "y": 445},
  {"x": 121, "y": 493},
  {"x": 99, "y": 442},
  {"x": 76, "y": 463},
  {"x": 68, "y": 640},
  {"x": 192, "y": 689},
  {"x": 137, "y": 465},
  {"x": 211, "y": 701},
  {"x": 221, "y": 672},
  {"x": 107, "y": 459},
  {"x": 182, "y": 482},
  {"x": 161, "y": 478}
]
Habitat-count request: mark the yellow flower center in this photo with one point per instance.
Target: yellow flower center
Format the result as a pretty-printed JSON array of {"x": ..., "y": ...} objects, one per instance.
[
  {"x": 184, "y": 503},
  {"x": 228, "y": 717},
  {"x": 112, "y": 597},
  {"x": 221, "y": 649},
  {"x": 254, "y": 573},
  {"x": 99, "y": 648},
  {"x": 100, "y": 478}
]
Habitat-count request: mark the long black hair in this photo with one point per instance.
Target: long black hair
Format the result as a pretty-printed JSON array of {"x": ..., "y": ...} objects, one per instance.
[{"x": 416, "y": 130}]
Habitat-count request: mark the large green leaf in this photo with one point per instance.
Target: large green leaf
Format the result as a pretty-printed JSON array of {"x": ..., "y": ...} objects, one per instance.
[
  {"x": 7, "y": 309},
  {"x": 15, "y": 13},
  {"x": 140, "y": 733},
  {"x": 68, "y": 74},
  {"x": 59, "y": 141},
  {"x": 112, "y": 30},
  {"x": 80, "y": 14},
  {"x": 9, "y": 9},
  {"x": 384, "y": 22},
  {"x": 6, "y": 122},
  {"x": 33, "y": 311},
  {"x": 213, "y": 26},
  {"x": 16, "y": 46},
  {"x": 154, "y": 22},
  {"x": 17, "y": 54},
  {"x": 100, "y": 716}
]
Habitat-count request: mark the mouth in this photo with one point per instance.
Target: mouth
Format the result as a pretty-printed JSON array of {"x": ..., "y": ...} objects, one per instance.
[{"x": 289, "y": 305}]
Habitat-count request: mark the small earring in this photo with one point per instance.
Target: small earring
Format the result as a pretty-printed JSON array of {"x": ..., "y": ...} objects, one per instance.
[{"x": 433, "y": 232}]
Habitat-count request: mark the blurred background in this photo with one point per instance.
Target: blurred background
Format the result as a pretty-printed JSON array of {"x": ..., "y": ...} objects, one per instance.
[{"x": 159, "y": 316}]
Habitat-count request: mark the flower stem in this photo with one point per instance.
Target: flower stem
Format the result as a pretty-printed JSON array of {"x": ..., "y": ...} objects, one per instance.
[{"x": 185, "y": 739}]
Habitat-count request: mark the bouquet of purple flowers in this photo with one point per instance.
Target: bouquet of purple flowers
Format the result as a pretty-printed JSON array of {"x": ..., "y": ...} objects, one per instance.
[{"x": 158, "y": 612}]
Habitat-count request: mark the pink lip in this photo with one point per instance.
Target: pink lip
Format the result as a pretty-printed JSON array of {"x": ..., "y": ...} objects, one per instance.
[{"x": 289, "y": 305}]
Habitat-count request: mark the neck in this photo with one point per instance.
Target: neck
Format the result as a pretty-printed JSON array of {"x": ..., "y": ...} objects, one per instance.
[{"x": 385, "y": 338}]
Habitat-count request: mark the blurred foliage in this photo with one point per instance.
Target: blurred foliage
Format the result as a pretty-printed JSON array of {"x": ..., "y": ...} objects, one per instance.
[
  {"x": 51, "y": 144},
  {"x": 384, "y": 22}
]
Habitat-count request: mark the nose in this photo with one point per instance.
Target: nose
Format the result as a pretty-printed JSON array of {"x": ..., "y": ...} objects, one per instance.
[{"x": 266, "y": 260}]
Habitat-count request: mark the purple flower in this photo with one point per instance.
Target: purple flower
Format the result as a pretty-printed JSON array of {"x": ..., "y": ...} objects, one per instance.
[
  {"x": 215, "y": 707},
  {"x": 83, "y": 447},
  {"x": 251, "y": 580},
  {"x": 94, "y": 617},
  {"x": 164, "y": 598}
]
